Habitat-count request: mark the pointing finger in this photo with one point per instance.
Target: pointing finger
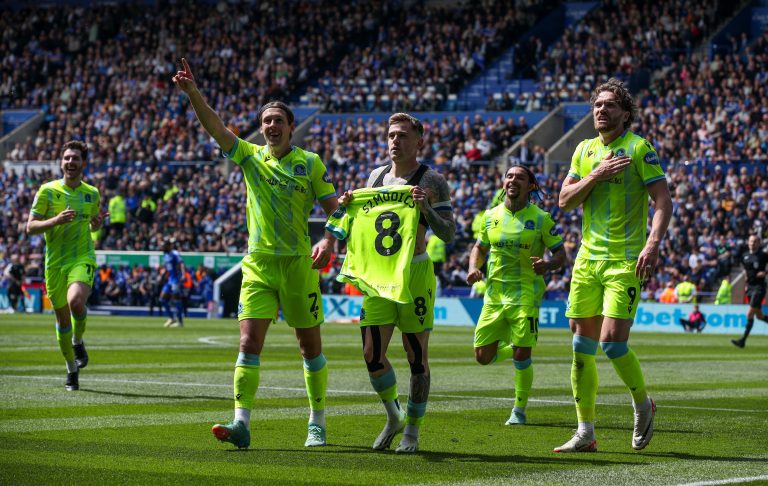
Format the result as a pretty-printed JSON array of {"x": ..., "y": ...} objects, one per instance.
[{"x": 185, "y": 65}]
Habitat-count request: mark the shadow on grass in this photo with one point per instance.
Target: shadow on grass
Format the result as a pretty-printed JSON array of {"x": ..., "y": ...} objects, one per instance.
[
  {"x": 146, "y": 395},
  {"x": 454, "y": 457}
]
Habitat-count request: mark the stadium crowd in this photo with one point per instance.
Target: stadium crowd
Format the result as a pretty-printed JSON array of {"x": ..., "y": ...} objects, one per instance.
[
  {"x": 623, "y": 39},
  {"x": 110, "y": 68},
  {"x": 421, "y": 54}
]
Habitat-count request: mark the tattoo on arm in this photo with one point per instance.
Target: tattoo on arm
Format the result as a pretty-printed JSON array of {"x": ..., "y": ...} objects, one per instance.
[
  {"x": 419, "y": 388},
  {"x": 442, "y": 223}
]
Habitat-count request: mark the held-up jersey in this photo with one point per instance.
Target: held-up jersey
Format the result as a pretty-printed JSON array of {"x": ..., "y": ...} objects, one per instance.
[
  {"x": 381, "y": 225},
  {"x": 281, "y": 194},
  {"x": 616, "y": 210},
  {"x": 513, "y": 239},
  {"x": 71, "y": 242}
]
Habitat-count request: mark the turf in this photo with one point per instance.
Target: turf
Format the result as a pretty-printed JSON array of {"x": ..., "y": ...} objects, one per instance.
[{"x": 150, "y": 395}]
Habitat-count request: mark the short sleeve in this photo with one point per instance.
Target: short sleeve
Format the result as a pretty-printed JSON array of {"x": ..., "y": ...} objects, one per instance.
[
  {"x": 97, "y": 200},
  {"x": 338, "y": 223},
  {"x": 40, "y": 203},
  {"x": 482, "y": 238},
  {"x": 575, "y": 169},
  {"x": 647, "y": 163},
  {"x": 549, "y": 233},
  {"x": 322, "y": 185},
  {"x": 240, "y": 151}
]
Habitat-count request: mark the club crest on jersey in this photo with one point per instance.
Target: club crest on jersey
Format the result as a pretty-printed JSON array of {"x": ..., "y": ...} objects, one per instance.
[
  {"x": 299, "y": 170},
  {"x": 651, "y": 158},
  {"x": 87, "y": 198},
  {"x": 621, "y": 152},
  {"x": 529, "y": 225}
]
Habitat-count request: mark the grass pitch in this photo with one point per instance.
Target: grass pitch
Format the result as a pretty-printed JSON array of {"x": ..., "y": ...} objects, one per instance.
[{"x": 150, "y": 395}]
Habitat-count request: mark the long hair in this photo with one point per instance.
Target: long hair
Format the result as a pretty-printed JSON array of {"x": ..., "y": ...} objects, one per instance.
[{"x": 537, "y": 191}]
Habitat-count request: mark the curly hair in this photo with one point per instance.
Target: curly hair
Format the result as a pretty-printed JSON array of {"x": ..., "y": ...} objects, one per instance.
[
  {"x": 82, "y": 147},
  {"x": 626, "y": 100}
]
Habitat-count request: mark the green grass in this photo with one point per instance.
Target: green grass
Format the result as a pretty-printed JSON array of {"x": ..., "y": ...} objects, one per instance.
[{"x": 150, "y": 395}]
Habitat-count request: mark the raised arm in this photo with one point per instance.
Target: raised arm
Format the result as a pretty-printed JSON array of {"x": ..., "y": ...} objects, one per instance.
[{"x": 208, "y": 118}]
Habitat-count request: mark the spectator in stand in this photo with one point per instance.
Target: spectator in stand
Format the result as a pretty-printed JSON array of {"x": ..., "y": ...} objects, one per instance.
[
  {"x": 668, "y": 295},
  {"x": 724, "y": 293},
  {"x": 685, "y": 291}
]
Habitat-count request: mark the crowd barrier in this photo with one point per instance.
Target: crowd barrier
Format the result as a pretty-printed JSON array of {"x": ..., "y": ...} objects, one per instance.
[{"x": 651, "y": 317}]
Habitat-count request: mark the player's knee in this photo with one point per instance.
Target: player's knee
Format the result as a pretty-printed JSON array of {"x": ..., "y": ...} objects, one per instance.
[
  {"x": 76, "y": 304},
  {"x": 417, "y": 367},
  {"x": 374, "y": 366},
  {"x": 483, "y": 357}
]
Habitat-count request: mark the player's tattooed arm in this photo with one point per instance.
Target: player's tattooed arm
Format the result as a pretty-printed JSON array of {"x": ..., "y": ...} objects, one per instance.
[
  {"x": 419, "y": 392},
  {"x": 438, "y": 210}
]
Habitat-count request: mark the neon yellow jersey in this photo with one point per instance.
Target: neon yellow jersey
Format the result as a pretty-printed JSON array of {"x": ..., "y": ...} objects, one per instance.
[
  {"x": 723, "y": 293},
  {"x": 68, "y": 243},
  {"x": 381, "y": 223},
  {"x": 513, "y": 239},
  {"x": 281, "y": 194},
  {"x": 616, "y": 211}
]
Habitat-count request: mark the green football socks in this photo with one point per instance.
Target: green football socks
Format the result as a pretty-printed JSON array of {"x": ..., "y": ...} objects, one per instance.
[
  {"x": 79, "y": 325},
  {"x": 246, "y": 379},
  {"x": 523, "y": 382},
  {"x": 316, "y": 380},
  {"x": 627, "y": 366},
  {"x": 64, "y": 337},
  {"x": 584, "y": 377},
  {"x": 504, "y": 351}
]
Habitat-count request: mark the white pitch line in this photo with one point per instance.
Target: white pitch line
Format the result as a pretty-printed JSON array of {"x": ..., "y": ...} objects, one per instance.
[
  {"x": 725, "y": 481},
  {"x": 368, "y": 392}
]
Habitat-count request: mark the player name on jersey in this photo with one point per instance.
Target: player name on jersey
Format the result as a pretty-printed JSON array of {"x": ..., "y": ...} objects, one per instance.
[{"x": 381, "y": 225}]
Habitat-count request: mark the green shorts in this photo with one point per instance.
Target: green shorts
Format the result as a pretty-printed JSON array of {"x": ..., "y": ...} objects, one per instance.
[
  {"x": 516, "y": 324},
  {"x": 287, "y": 281},
  {"x": 413, "y": 317},
  {"x": 604, "y": 288},
  {"x": 58, "y": 280}
]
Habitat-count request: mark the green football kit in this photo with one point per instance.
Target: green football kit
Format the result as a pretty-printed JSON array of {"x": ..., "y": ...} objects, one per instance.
[
  {"x": 513, "y": 296},
  {"x": 613, "y": 227},
  {"x": 603, "y": 283},
  {"x": 69, "y": 252},
  {"x": 277, "y": 269}
]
